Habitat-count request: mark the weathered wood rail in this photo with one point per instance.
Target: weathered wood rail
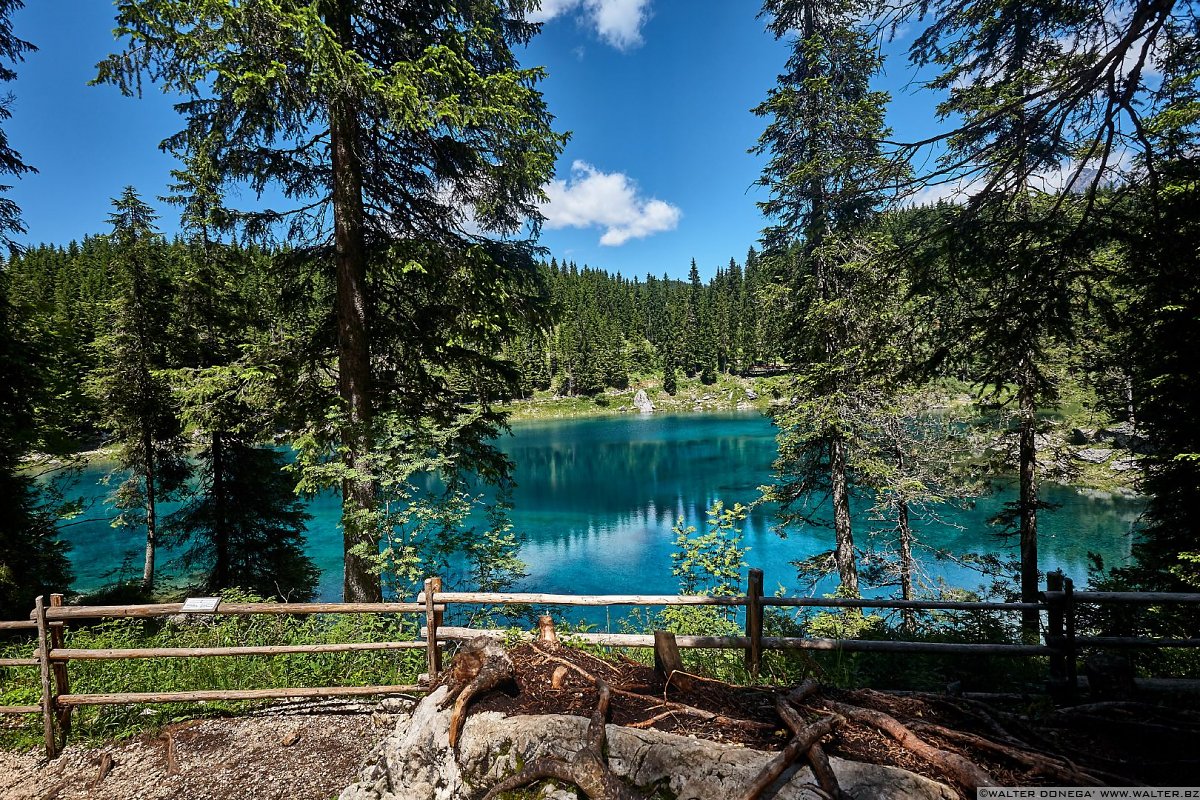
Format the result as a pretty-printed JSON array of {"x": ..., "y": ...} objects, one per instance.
[{"x": 1058, "y": 605}]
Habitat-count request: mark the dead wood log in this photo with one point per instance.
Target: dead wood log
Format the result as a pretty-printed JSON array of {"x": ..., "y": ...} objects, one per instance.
[
  {"x": 817, "y": 759},
  {"x": 798, "y": 746},
  {"x": 106, "y": 765},
  {"x": 961, "y": 769},
  {"x": 172, "y": 756},
  {"x": 586, "y": 769},
  {"x": 479, "y": 666},
  {"x": 546, "y": 633}
]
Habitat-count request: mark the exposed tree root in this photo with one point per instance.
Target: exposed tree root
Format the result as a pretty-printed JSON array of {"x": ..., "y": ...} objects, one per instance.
[
  {"x": 1060, "y": 769},
  {"x": 962, "y": 770},
  {"x": 586, "y": 769},
  {"x": 480, "y": 665},
  {"x": 681, "y": 708}
]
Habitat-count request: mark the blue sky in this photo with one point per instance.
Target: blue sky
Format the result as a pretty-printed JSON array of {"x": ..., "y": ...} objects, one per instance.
[{"x": 656, "y": 93}]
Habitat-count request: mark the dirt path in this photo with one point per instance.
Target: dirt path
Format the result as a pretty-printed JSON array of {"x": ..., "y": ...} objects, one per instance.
[{"x": 297, "y": 751}]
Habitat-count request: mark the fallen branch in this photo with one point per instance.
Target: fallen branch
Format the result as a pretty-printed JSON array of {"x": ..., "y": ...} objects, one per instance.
[
  {"x": 963, "y": 770},
  {"x": 817, "y": 759},
  {"x": 798, "y": 746}
]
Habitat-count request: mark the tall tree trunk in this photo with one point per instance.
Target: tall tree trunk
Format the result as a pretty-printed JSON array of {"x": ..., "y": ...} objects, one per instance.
[
  {"x": 1027, "y": 459},
  {"x": 151, "y": 510},
  {"x": 220, "y": 573},
  {"x": 843, "y": 534},
  {"x": 906, "y": 565},
  {"x": 359, "y": 491}
]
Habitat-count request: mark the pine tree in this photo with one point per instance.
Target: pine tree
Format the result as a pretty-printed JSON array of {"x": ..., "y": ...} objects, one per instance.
[
  {"x": 825, "y": 177},
  {"x": 395, "y": 122},
  {"x": 137, "y": 405},
  {"x": 243, "y": 522},
  {"x": 12, "y": 50},
  {"x": 32, "y": 557}
]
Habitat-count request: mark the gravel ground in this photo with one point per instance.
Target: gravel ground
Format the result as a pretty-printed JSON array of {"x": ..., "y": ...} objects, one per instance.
[{"x": 292, "y": 751}]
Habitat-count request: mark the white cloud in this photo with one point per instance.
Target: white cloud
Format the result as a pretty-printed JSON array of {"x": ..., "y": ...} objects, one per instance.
[
  {"x": 609, "y": 200},
  {"x": 551, "y": 9},
  {"x": 618, "y": 22}
]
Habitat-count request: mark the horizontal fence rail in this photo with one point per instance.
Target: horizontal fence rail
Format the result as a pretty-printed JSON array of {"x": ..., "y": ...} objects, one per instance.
[
  {"x": 1058, "y": 603},
  {"x": 52, "y": 656}
]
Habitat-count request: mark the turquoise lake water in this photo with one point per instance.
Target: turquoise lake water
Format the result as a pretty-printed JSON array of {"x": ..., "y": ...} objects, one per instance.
[{"x": 596, "y": 500}]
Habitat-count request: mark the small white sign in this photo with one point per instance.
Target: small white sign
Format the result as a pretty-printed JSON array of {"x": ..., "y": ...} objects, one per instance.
[{"x": 200, "y": 605}]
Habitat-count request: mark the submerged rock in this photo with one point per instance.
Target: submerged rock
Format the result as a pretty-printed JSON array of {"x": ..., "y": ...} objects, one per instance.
[
  {"x": 416, "y": 761},
  {"x": 642, "y": 401}
]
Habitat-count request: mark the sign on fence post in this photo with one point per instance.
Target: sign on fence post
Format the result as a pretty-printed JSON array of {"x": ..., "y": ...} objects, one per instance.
[
  {"x": 754, "y": 620},
  {"x": 39, "y": 612}
]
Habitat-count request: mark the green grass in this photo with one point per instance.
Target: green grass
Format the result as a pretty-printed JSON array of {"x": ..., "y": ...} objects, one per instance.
[
  {"x": 227, "y": 672},
  {"x": 727, "y": 394}
]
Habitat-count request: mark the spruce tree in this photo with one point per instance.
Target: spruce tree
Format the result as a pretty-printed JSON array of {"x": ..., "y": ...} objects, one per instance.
[
  {"x": 32, "y": 557},
  {"x": 243, "y": 523},
  {"x": 12, "y": 50},
  {"x": 825, "y": 175},
  {"x": 389, "y": 126},
  {"x": 137, "y": 405}
]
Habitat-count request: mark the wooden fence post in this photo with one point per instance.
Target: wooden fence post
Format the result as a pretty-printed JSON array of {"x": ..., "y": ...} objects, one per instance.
[
  {"x": 62, "y": 684},
  {"x": 39, "y": 613},
  {"x": 754, "y": 621},
  {"x": 1069, "y": 615},
  {"x": 433, "y": 620},
  {"x": 667, "y": 662},
  {"x": 1054, "y": 632}
]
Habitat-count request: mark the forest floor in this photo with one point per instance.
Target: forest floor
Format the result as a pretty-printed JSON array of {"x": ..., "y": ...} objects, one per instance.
[
  {"x": 310, "y": 751},
  {"x": 288, "y": 751},
  {"x": 1019, "y": 742}
]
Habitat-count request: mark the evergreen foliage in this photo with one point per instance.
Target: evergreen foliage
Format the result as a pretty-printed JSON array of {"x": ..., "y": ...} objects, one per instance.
[
  {"x": 826, "y": 174},
  {"x": 388, "y": 126},
  {"x": 138, "y": 407}
]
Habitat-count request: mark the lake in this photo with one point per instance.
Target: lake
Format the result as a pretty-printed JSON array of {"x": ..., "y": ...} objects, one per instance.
[{"x": 596, "y": 500}]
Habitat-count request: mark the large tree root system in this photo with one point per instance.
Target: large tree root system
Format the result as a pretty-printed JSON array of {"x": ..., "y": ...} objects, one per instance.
[{"x": 961, "y": 742}]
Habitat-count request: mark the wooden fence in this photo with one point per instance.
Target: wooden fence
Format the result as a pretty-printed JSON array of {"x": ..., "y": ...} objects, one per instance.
[{"x": 1059, "y": 604}]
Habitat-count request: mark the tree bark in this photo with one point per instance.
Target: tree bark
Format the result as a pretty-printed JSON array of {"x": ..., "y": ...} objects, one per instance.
[
  {"x": 906, "y": 566},
  {"x": 842, "y": 531},
  {"x": 1028, "y": 507},
  {"x": 359, "y": 489},
  {"x": 220, "y": 573},
  {"x": 151, "y": 510}
]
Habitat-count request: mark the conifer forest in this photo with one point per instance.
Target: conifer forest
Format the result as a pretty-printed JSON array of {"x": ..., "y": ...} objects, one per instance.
[{"x": 369, "y": 331}]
